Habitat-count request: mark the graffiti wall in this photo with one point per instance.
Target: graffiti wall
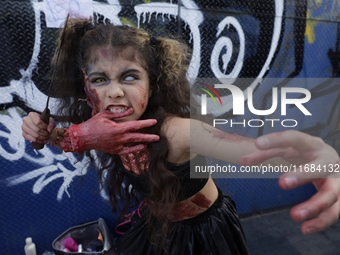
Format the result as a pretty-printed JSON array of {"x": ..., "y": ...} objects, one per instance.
[{"x": 45, "y": 192}]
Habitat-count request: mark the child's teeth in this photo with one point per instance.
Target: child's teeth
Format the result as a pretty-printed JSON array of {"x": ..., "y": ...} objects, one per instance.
[{"x": 118, "y": 109}]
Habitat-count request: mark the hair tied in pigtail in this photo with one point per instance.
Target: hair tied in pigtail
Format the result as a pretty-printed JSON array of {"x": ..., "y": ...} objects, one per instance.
[
  {"x": 88, "y": 27},
  {"x": 153, "y": 40},
  {"x": 85, "y": 28}
]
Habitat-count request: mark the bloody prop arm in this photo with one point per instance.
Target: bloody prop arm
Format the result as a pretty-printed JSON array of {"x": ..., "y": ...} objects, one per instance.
[{"x": 103, "y": 134}]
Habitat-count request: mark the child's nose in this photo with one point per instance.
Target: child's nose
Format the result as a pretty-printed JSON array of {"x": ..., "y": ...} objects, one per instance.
[{"x": 114, "y": 90}]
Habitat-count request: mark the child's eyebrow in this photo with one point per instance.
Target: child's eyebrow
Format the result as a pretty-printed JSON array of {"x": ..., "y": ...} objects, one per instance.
[
  {"x": 122, "y": 74},
  {"x": 97, "y": 73},
  {"x": 130, "y": 71}
]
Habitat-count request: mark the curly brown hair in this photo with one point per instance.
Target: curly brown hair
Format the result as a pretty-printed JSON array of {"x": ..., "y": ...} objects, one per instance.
[{"x": 166, "y": 60}]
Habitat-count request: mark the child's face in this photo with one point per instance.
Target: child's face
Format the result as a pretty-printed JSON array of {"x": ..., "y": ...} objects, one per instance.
[{"x": 117, "y": 82}]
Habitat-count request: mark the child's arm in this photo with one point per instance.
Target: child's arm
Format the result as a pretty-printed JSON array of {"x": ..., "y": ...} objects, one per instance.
[
  {"x": 187, "y": 136},
  {"x": 209, "y": 141}
]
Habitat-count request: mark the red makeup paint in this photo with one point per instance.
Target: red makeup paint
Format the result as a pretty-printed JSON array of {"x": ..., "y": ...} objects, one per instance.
[
  {"x": 200, "y": 200},
  {"x": 142, "y": 101},
  {"x": 228, "y": 137},
  {"x": 136, "y": 162},
  {"x": 92, "y": 98},
  {"x": 105, "y": 54},
  {"x": 185, "y": 210}
]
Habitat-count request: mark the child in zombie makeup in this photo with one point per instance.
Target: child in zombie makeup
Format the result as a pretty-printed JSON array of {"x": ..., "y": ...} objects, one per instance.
[{"x": 127, "y": 95}]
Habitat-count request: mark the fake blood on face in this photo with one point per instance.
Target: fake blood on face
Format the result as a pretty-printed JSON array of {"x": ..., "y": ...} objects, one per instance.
[
  {"x": 92, "y": 99},
  {"x": 143, "y": 100}
]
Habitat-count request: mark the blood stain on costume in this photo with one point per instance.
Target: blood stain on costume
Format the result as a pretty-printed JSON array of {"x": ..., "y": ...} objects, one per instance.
[{"x": 200, "y": 200}]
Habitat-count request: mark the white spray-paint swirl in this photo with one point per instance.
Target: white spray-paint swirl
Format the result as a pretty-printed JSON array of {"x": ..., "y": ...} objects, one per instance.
[
  {"x": 225, "y": 42},
  {"x": 45, "y": 158}
]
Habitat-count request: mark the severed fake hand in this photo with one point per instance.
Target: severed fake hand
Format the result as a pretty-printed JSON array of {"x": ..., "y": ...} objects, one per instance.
[{"x": 102, "y": 133}]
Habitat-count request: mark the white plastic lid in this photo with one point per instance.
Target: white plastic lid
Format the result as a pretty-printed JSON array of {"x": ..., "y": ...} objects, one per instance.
[{"x": 28, "y": 240}]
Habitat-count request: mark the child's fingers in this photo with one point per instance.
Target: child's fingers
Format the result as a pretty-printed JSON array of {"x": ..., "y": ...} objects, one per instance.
[
  {"x": 28, "y": 137},
  {"x": 51, "y": 125},
  {"x": 302, "y": 174},
  {"x": 33, "y": 132},
  {"x": 324, "y": 205},
  {"x": 33, "y": 122},
  {"x": 259, "y": 156},
  {"x": 35, "y": 118},
  {"x": 323, "y": 221},
  {"x": 289, "y": 138},
  {"x": 316, "y": 205}
]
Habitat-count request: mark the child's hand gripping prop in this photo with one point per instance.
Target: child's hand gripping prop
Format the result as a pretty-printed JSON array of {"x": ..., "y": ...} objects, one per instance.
[
  {"x": 102, "y": 133},
  {"x": 45, "y": 116}
]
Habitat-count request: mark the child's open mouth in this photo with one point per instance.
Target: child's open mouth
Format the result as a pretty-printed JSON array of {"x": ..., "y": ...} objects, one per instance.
[
  {"x": 117, "y": 109},
  {"x": 121, "y": 111}
]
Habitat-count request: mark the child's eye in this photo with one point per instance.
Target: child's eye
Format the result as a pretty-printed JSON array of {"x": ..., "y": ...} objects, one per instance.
[
  {"x": 98, "y": 80},
  {"x": 130, "y": 78}
]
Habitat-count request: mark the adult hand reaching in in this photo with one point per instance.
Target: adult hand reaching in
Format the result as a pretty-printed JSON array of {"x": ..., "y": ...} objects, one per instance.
[{"x": 319, "y": 165}]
